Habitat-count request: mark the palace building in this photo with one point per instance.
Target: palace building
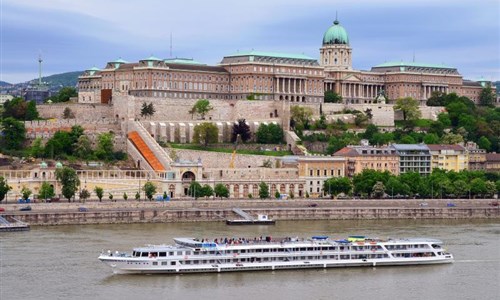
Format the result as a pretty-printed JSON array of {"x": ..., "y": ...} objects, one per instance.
[{"x": 276, "y": 76}]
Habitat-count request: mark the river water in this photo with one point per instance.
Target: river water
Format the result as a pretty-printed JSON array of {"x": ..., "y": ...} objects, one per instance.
[{"x": 61, "y": 263}]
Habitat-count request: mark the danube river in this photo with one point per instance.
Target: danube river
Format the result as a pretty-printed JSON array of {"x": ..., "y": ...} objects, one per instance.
[{"x": 61, "y": 263}]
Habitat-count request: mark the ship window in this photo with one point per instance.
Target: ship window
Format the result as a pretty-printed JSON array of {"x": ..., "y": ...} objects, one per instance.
[
  {"x": 155, "y": 263},
  {"x": 163, "y": 263},
  {"x": 170, "y": 253},
  {"x": 162, "y": 254},
  {"x": 144, "y": 254},
  {"x": 172, "y": 263},
  {"x": 179, "y": 252}
]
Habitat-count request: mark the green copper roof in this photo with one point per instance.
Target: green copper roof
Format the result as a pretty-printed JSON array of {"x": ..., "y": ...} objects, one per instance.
[
  {"x": 119, "y": 60},
  {"x": 271, "y": 54},
  {"x": 152, "y": 57},
  {"x": 93, "y": 69},
  {"x": 336, "y": 35},
  {"x": 412, "y": 64},
  {"x": 187, "y": 61}
]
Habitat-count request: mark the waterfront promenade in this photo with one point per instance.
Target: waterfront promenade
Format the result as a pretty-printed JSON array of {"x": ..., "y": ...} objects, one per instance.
[{"x": 131, "y": 211}]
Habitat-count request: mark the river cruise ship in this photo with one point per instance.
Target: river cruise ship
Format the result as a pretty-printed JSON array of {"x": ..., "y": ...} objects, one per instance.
[{"x": 190, "y": 255}]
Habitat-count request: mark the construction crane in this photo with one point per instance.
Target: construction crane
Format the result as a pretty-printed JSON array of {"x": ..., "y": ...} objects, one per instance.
[{"x": 233, "y": 156}]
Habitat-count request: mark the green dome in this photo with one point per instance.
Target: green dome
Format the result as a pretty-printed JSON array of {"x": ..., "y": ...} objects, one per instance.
[{"x": 336, "y": 35}]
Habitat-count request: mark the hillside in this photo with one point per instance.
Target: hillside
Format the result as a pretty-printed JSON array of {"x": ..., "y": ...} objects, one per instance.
[
  {"x": 3, "y": 83},
  {"x": 63, "y": 79}
]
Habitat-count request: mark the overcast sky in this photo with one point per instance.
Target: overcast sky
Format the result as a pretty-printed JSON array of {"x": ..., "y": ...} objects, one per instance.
[{"x": 74, "y": 35}]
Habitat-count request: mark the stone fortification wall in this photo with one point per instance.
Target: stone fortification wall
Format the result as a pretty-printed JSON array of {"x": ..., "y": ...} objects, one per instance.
[
  {"x": 126, "y": 106},
  {"x": 81, "y": 111},
  {"x": 221, "y": 160}
]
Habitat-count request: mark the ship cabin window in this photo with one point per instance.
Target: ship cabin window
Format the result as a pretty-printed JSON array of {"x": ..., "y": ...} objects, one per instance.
[
  {"x": 172, "y": 263},
  {"x": 133, "y": 253},
  {"x": 170, "y": 253},
  {"x": 179, "y": 252},
  {"x": 144, "y": 254},
  {"x": 162, "y": 254},
  {"x": 155, "y": 263}
]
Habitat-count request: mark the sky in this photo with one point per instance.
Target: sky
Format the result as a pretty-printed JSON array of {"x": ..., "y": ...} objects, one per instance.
[{"x": 74, "y": 35}]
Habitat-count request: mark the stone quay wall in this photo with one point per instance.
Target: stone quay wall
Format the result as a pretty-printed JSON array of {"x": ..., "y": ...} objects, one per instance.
[
  {"x": 221, "y": 160},
  {"x": 81, "y": 111}
]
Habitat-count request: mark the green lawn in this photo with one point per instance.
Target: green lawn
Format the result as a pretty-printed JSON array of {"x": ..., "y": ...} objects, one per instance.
[{"x": 224, "y": 150}]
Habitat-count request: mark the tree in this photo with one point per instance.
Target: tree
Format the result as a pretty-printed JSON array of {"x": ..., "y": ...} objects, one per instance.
[
  {"x": 14, "y": 133},
  {"x": 487, "y": 96},
  {"x": 104, "y": 148},
  {"x": 378, "y": 190},
  {"x": 59, "y": 144},
  {"x": 221, "y": 191},
  {"x": 363, "y": 182},
  {"x": 461, "y": 188},
  {"x": 84, "y": 195},
  {"x": 269, "y": 134},
  {"x": 360, "y": 119},
  {"x": 110, "y": 197},
  {"x": 205, "y": 133},
  {"x": 83, "y": 147},
  {"x": 242, "y": 129},
  {"x": 409, "y": 107},
  {"x": 68, "y": 113},
  {"x": 37, "y": 148},
  {"x": 31, "y": 111},
  {"x": 99, "y": 192},
  {"x": 147, "y": 110},
  {"x": 46, "y": 191},
  {"x": 69, "y": 181},
  {"x": 478, "y": 187},
  {"x": 437, "y": 98},
  {"x": 451, "y": 139},
  {"x": 484, "y": 143},
  {"x": 125, "y": 196},
  {"x": 15, "y": 108},
  {"x": 25, "y": 192},
  {"x": 332, "y": 97},
  {"x": 335, "y": 186},
  {"x": 491, "y": 188},
  {"x": 201, "y": 107},
  {"x": 207, "y": 191},
  {"x": 431, "y": 138},
  {"x": 277, "y": 195},
  {"x": 195, "y": 190},
  {"x": 394, "y": 186},
  {"x": 301, "y": 116},
  {"x": 151, "y": 109},
  {"x": 263, "y": 190},
  {"x": 149, "y": 189},
  {"x": 4, "y": 188},
  {"x": 64, "y": 95},
  {"x": 137, "y": 196}
]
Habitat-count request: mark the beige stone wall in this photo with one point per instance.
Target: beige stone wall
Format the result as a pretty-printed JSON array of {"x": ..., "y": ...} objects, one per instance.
[
  {"x": 221, "y": 160},
  {"x": 81, "y": 111}
]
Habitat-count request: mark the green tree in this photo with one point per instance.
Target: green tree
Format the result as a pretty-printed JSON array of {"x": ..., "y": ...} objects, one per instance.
[
  {"x": 69, "y": 181},
  {"x": 46, "y": 191},
  {"x": 64, "y": 95},
  {"x": 394, "y": 186},
  {"x": 14, "y": 133},
  {"x": 487, "y": 96},
  {"x": 263, "y": 190},
  {"x": 332, "y": 97},
  {"x": 37, "y": 149},
  {"x": 25, "y": 192},
  {"x": 277, "y": 195},
  {"x": 147, "y": 110},
  {"x": 195, "y": 190},
  {"x": 301, "y": 116},
  {"x": 110, "y": 197},
  {"x": 137, "y": 196},
  {"x": 363, "y": 182},
  {"x": 59, "y": 145},
  {"x": 451, "y": 139},
  {"x": 491, "y": 188},
  {"x": 125, "y": 196},
  {"x": 99, "y": 192},
  {"x": 269, "y": 134},
  {"x": 68, "y": 113},
  {"x": 484, "y": 143},
  {"x": 207, "y": 191},
  {"x": 407, "y": 139},
  {"x": 149, "y": 189},
  {"x": 104, "y": 148},
  {"x": 201, "y": 107},
  {"x": 431, "y": 138},
  {"x": 31, "y": 111},
  {"x": 84, "y": 195},
  {"x": 15, "y": 108},
  {"x": 437, "y": 98},
  {"x": 242, "y": 129},
  {"x": 378, "y": 190},
  {"x": 478, "y": 187},
  {"x": 83, "y": 147},
  {"x": 460, "y": 187},
  {"x": 409, "y": 107},
  {"x": 205, "y": 133},
  {"x": 4, "y": 188},
  {"x": 221, "y": 191},
  {"x": 335, "y": 186}
]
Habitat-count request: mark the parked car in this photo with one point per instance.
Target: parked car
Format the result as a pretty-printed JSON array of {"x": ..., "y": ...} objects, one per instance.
[
  {"x": 53, "y": 199},
  {"x": 495, "y": 203},
  {"x": 2, "y": 209},
  {"x": 25, "y": 208},
  {"x": 83, "y": 209},
  {"x": 312, "y": 205},
  {"x": 450, "y": 204},
  {"x": 424, "y": 204}
]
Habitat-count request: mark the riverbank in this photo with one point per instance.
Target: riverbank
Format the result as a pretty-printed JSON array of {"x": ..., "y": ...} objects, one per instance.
[{"x": 220, "y": 210}]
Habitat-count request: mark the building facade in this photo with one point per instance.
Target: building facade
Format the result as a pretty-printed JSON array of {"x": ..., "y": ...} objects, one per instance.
[
  {"x": 413, "y": 158},
  {"x": 449, "y": 157},
  {"x": 314, "y": 170},
  {"x": 359, "y": 158},
  {"x": 276, "y": 76},
  {"x": 477, "y": 156}
]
